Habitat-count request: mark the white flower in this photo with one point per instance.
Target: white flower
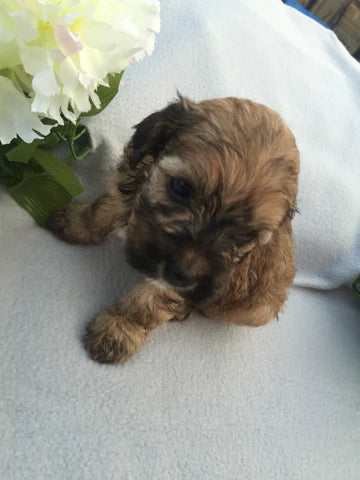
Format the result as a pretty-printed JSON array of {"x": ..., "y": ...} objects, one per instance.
[
  {"x": 16, "y": 116},
  {"x": 55, "y": 53}
]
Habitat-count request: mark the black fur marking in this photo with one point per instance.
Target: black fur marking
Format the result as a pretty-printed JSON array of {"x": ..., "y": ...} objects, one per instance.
[
  {"x": 155, "y": 131},
  {"x": 200, "y": 294}
]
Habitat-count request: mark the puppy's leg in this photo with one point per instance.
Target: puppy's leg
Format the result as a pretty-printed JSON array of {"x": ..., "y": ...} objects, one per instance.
[
  {"x": 181, "y": 318},
  {"x": 254, "y": 316},
  {"x": 87, "y": 224},
  {"x": 116, "y": 334}
]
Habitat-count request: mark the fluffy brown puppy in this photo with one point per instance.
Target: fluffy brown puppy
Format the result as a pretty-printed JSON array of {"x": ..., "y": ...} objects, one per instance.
[{"x": 203, "y": 200}]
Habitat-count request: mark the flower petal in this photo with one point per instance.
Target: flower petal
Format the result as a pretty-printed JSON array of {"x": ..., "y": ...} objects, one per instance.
[
  {"x": 68, "y": 18},
  {"x": 68, "y": 41},
  {"x": 26, "y": 25},
  {"x": 16, "y": 117},
  {"x": 124, "y": 25},
  {"x": 34, "y": 59},
  {"x": 56, "y": 55},
  {"x": 54, "y": 109},
  {"x": 81, "y": 99},
  {"x": 9, "y": 55},
  {"x": 45, "y": 83},
  {"x": 58, "y": 52},
  {"x": 92, "y": 62},
  {"x": 98, "y": 35},
  {"x": 72, "y": 3},
  {"x": 68, "y": 74},
  {"x": 85, "y": 80},
  {"x": 6, "y": 33},
  {"x": 95, "y": 99},
  {"x": 40, "y": 104},
  {"x": 65, "y": 109}
]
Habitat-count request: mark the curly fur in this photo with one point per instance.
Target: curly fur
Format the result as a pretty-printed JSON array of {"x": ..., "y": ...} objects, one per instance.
[{"x": 231, "y": 240}]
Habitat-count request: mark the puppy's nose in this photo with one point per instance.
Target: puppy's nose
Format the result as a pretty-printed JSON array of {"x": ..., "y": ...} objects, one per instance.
[{"x": 176, "y": 275}]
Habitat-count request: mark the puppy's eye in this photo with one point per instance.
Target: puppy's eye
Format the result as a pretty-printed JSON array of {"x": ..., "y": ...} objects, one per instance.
[
  {"x": 180, "y": 188},
  {"x": 245, "y": 238}
]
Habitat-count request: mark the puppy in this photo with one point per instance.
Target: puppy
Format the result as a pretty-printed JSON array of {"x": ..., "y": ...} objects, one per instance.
[{"x": 203, "y": 200}]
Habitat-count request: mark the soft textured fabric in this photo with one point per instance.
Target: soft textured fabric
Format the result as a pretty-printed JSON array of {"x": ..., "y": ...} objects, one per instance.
[
  {"x": 201, "y": 400},
  {"x": 272, "y": 54},
  {"x": 294, "y": 4}
]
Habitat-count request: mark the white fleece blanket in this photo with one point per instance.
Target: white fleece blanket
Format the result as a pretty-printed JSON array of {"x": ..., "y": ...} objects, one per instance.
[
  {"x": 201, "y": 400},
  {"x": 270, "y": 53}
]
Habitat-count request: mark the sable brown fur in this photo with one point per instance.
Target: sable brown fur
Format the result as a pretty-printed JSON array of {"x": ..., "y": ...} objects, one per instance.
[{"x": 224, "y": 248}]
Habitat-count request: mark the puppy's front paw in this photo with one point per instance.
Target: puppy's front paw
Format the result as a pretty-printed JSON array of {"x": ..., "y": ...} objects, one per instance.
[
  {"x": 113, "y": 339},
  {"x": 70, "y": 224},
  {"x": 58, "y": 223},
  {"x": 181, "y": 318}
]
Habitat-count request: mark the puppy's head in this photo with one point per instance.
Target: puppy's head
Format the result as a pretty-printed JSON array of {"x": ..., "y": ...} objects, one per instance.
[{"x": 217, "y": 178}]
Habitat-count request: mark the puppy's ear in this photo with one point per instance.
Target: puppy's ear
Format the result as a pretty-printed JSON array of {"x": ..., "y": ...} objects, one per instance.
[
  {"x": 269, "y": 215},
  {"x": 264, "y": 236},
  {"x": 153, "y": 134}
]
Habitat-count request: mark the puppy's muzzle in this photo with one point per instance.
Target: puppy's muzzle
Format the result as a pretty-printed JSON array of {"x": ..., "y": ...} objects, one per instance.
[{"x": 176, "y": 275}]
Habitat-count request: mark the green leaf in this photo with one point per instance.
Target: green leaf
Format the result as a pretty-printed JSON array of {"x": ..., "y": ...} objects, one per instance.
[
  {"x": 10, "y": 173},
  {"x": 22, "y": 152},
  {"x": 356, "y": 287},
  {"x": 40, "y": 195},
  {"x": 106, "y": 94},
  {"x": 50, "y": 142},
  {"x": 61, "y": 172}
]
